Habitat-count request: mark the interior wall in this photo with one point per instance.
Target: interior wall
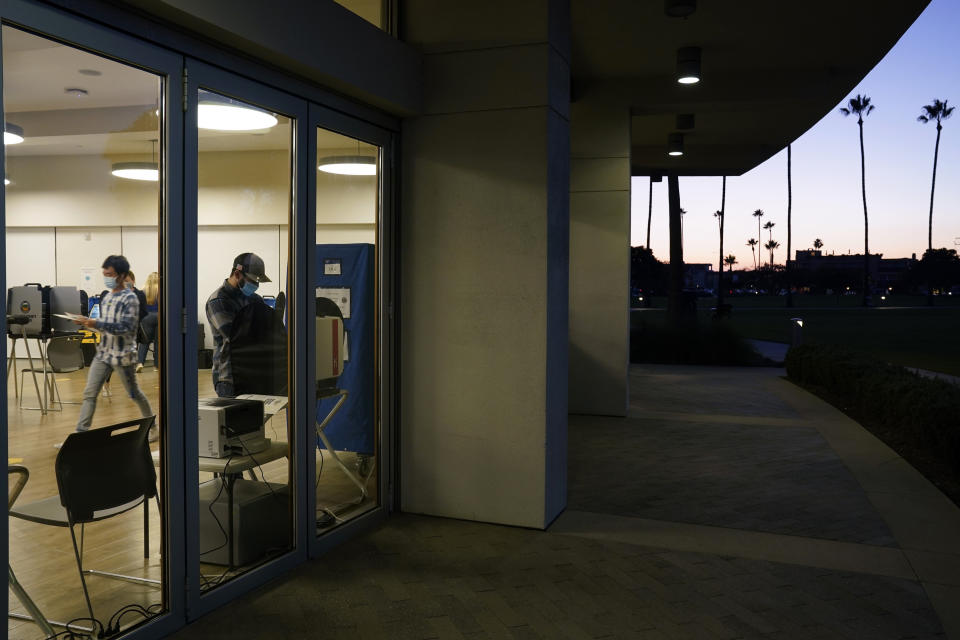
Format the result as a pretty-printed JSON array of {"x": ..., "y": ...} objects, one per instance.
[{"x": 243, "y": 206}]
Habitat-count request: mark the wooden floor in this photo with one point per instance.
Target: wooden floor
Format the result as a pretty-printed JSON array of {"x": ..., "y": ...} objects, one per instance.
[{"x": 42, "y": 556}]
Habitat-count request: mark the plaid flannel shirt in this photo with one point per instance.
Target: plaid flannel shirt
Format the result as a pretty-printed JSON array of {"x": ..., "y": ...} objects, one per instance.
[
  {"x": 119, "y": 317},
  {"x": 222, "y": 307}
]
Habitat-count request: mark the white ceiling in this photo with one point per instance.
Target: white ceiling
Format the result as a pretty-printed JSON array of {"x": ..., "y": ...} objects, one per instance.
[{"x": 117, "y": 116}]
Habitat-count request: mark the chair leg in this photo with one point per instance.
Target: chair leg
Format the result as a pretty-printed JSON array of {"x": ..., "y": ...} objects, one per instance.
[
  {"x": 83, "y": 581},
  {"x": 29, "y": 604},
  {"x": 146, "y": 528}
]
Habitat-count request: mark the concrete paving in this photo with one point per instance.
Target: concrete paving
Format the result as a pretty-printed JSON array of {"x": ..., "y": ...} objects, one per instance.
[{"x": 728, "y": 504}]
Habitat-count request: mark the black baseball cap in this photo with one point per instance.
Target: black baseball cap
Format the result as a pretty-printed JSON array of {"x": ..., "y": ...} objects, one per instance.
[{"x": 251, "y": 265}]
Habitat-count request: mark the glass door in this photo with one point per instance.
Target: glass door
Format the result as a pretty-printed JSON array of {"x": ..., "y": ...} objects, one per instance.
[
  {"x": 90, "y": 215},
  {"x": 350, "y": 324},
  {"x": 243, "y": 225}
]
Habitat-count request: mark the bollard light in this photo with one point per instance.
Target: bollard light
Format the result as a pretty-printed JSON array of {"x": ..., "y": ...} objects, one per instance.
[{"x": 796, "y": 332}]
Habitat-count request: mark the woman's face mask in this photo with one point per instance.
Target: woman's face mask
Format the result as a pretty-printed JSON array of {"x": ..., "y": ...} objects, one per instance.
[{"x": 128, "y": 284}]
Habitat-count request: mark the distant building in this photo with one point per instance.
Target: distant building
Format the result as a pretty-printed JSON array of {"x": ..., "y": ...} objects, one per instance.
[
  {"x": 883, "y": 272},
  {"x": 699, "y": 276}
]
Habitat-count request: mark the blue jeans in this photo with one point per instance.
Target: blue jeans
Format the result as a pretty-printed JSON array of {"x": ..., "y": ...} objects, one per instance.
[{"x": 99, "y": 371}]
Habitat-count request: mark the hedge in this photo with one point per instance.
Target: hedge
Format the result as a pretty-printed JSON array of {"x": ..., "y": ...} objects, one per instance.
[
  {"x": 926, "y": 410},
  {"x": 713, "y": 344}
]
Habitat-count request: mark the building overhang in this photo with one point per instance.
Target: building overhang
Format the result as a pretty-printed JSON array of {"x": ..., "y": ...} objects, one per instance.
[{"x": 770, "y": 71}]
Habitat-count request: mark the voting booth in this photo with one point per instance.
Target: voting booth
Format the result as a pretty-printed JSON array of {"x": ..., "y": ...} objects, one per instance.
[{"x": 345, "y": 275}]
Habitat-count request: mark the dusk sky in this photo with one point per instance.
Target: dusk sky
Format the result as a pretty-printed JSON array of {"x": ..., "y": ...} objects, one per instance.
[{"x": 827, "y": 204}]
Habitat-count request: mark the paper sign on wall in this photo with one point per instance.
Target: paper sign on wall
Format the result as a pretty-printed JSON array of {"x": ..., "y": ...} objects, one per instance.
[
  {"x": 331, "y": 267},
  {"x": 340, "y": 297},
  {"x": 91, "y": 280}
]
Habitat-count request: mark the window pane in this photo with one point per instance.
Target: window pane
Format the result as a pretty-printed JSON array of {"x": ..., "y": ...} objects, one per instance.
[
  {"x": 83, "y": 152},
  {"x": 347, "y": 357},
  {"x": 244, "y": 213}
]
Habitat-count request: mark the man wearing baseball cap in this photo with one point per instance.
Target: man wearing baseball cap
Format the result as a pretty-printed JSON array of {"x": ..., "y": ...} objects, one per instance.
[{"x": 237, "y": 291}]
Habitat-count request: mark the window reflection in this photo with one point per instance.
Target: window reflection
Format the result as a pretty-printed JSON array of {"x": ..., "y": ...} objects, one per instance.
[
  {"x": 347, "y": 420},
  {"x": 83, "y": 158},
  {"x": 244, "y": 208}
]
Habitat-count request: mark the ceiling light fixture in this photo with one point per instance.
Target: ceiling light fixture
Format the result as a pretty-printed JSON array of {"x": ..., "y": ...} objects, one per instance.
[
  {"x": 143, "y": 171},
  {"x": 6, "y": 180},
  {"x": 675, "y": 144},
  {"x": 688, "y": 65},
  {"x": 685, "y": 121},
  {"x": 12, "y": 134},
  {"x": 220, "y": 113},
  {"x": 349, "y": 165},
  {"x": 679, "y": 8},
  {"x": 146, "y": 171}
]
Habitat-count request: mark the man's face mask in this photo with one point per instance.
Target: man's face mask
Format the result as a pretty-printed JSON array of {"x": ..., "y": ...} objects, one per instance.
[
  {"x": 249, "y": 288},
  {"x": 110, "y": 282}
]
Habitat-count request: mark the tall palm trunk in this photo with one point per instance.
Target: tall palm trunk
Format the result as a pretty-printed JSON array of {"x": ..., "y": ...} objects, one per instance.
[
  {"x": 789, "y": 232},
  {"x": 723, "y": 204},
  {"x": 676, "y": 313},
  {"x": 933, "y": 185},
  {"x": 866, "y": 221},
  {"x": 649, "y": 211}
]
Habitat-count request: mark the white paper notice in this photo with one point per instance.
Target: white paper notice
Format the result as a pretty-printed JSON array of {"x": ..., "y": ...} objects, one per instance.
[
  {"x": 340, "y": 297},
  {"x": 91, "y": 280},
  {"x": 331, "y": 267}
]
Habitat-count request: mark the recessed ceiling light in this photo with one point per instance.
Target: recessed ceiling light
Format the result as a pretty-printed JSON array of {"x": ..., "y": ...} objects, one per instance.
[
  {"x": 349, "y": 165},
  {"x": 12, "y": 134},
  {"x": 679, "y": 8},
  {"x": 76, "y": 91},
  {"x": 89, "y": 72}
]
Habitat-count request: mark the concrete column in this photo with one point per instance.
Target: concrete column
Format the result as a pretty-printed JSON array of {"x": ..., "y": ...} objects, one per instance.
[
  {"x": 484, "y": 227},
  {"x": 599, "y": 255}
]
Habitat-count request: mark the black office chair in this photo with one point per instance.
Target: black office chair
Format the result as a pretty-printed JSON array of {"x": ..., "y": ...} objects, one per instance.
[
  {"x": 18, "y": 476},
  {"x": 101, "y": 473}
]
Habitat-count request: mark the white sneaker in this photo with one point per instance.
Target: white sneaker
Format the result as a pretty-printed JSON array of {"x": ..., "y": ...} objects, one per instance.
[
  {"x": 139, "y": 367},
  {"x": 154, "y": 434}
]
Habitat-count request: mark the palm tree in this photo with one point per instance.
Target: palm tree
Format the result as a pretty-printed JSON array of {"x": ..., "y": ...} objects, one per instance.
[
  {"x": 730, "y": 260},
  {"x": 936, "y": 112},
  {"x": 650, "y": 211},
  {"x": 758, "y": 214},
  {"x": 860, "y": 106},
  {"x": 769, "y": 225},
  {"x": 719, "y": 216},
  {"x": 789, "y": 230},
  {"x": 818, "y": 244},
  {"x": 752, "y": 243},
  {"x": 773, "y": 244}
]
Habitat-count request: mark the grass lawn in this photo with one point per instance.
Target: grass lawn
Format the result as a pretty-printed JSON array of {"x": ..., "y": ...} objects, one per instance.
[{"x": 913, "y": 336}]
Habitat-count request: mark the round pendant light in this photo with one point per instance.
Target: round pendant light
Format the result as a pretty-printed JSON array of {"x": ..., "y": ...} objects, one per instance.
[
  {"x": 220, "y": 113},
  {"x": 349, "y": 165},
  {"x": 12, "y": 134},
  {"x": 145, "y": 171}
]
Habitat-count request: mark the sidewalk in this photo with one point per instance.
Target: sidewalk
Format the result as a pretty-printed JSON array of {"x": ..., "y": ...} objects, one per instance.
[{"x": 728, "y": 504}]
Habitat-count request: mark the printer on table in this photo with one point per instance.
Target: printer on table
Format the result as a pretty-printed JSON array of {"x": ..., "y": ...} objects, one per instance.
[{"x": 230, "y": 427}]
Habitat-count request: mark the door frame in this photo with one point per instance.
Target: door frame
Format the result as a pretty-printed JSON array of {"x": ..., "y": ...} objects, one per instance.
[{"x": 201, "y": 75}]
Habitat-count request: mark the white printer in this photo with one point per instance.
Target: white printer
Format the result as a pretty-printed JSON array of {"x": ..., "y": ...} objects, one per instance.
[{"x": 230, "y": 427}]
